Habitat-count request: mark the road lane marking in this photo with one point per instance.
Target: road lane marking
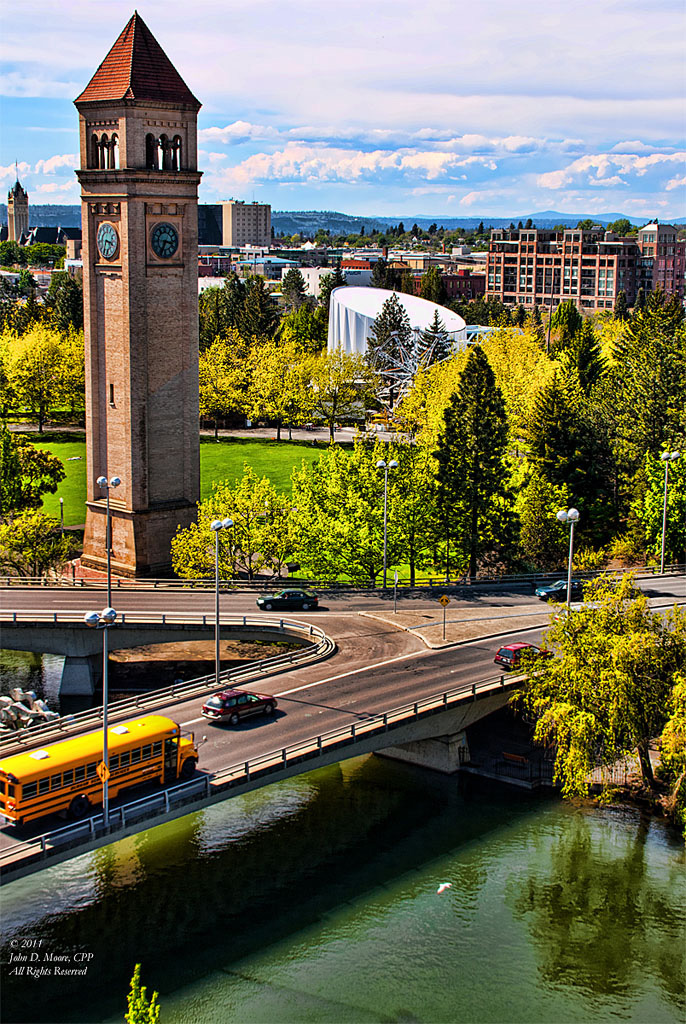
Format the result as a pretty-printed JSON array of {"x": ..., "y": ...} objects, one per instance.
[
  {"x": 192, "y": 721},
  {"x": 354, "y": 672}
]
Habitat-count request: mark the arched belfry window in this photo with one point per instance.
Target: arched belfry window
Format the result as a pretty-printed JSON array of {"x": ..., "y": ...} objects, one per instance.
[
  {"x": 151, "y": 161},
  {"x": 104, "y": 152},
  {"x": 176, "y": 153},
  {"x": 114, "y": 151},
  {"x": 165, "y": 154},
  {"x": 94, "y": 153}
]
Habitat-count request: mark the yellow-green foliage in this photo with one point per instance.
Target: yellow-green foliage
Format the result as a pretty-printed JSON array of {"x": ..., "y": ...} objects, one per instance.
[{"x": 521, "y": 369}]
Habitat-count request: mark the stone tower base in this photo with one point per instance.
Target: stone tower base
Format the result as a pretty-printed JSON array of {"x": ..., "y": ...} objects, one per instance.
[{"x": 141, "y": 541}]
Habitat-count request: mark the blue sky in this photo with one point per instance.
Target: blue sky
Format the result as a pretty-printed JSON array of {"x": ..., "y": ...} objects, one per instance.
[{"x": 385, "y": 107}]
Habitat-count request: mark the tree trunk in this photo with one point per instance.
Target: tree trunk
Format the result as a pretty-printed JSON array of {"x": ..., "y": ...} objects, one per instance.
[
  {"x": 646, "y": 766},
  {"x": 278, "y": 429},
  {"x": 216, "y": 429},
  {"x": 332, "y": 437},
  {"x": 412, "y": 560}
]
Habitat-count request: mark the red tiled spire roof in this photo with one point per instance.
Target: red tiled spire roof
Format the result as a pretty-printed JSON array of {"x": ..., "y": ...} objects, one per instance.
[{"x": 137, "y": 68}]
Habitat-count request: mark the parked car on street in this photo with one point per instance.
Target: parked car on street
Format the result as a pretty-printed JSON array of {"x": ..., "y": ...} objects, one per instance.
[
  {"x": 233, "y": 705},
  {"x": 289, "y": 598},
  {"x": 510, "y": 655},
  {"x": 558, "y": 591}
]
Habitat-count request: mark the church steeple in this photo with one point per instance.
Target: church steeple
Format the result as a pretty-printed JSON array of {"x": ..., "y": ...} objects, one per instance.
[{"x": 17, "y": 212}]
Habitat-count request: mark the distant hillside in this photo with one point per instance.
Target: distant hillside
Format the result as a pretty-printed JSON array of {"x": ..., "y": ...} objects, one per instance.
[{"x": 308, "y": 222}]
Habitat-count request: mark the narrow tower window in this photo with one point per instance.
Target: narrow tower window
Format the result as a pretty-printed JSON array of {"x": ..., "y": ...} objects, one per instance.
[
  {"x": 151, "y": 152},
  {"x": 94, "y": 155},
  {"x": 112, "y": 394},
  {"x": 176, "y": 155},
  {"x": 114, "y": 144},
  {"x": 104, "y": 151}
]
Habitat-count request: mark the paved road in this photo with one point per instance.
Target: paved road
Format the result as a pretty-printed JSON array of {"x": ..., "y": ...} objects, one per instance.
[{"x": 377, "y": 667}]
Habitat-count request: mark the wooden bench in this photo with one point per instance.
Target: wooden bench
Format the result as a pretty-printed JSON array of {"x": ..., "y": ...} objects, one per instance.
[{"x": 516, "y": 758}]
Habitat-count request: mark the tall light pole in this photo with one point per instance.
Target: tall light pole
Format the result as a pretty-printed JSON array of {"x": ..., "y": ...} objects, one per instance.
[
  {"x": 217, "y": 525},
  {"x": 103, "y": 482},
  {"x": 381, "y": 464},
  {"x": 666, "y": 457},
  {"x": 103, "y": 620},
  {"x": 570, "y": 516},
  {"x": 62, "y": 516}
]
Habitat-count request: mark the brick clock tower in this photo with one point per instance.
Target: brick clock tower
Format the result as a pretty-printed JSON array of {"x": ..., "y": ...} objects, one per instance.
[{"x": 139, "y": 211}]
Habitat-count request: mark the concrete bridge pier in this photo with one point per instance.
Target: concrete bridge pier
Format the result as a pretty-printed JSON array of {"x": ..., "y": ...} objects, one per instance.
[
  {"x": 79, "y": 675},
  {"x": 441, "y": 754}
]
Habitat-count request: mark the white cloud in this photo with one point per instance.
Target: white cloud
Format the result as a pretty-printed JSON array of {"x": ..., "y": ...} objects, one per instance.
[
  {"x": 675, "y": 183},
  {"x": 54, "y": 163},
  {"x": 12, "y": 171},
  {"x": 596, "y": 168}
]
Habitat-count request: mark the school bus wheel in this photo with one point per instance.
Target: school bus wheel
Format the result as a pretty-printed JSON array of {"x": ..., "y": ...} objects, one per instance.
[
  {"x": 79, "y": 807},
  {"x": 188, "y": 768}
]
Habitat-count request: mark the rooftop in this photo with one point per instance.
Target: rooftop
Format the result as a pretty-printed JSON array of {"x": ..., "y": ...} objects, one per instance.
[{"x": 137, "y": 68}]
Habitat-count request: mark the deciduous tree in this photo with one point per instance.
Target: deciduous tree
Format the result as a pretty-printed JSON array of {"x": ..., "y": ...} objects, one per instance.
[{"x": 342, "y": 386}]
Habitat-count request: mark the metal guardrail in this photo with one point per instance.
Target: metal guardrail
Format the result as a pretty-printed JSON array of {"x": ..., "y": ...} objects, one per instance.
[
  {"x": 118, "y": 583},
  {"x": 82, "y": 833},
  {"x": 321, "y": 647}
]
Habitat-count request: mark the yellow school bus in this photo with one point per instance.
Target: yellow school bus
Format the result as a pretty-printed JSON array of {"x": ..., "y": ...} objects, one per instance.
[{"x": 64, "y": 776}]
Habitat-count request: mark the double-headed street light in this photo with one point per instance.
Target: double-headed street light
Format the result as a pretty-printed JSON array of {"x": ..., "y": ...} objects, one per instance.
[
  {"x": 107, "y": 485},
  {"x": 666, "y": 457},
  {"x": 103, "y": 620},
  {"x": 570, "y": 516},
  {"x": 217, "y": 525},
  {"x": 381, "y": 464}
]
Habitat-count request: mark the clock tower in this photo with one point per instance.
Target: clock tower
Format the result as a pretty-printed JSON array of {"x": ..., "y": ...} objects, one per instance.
[{"x": 139, "y": 213}]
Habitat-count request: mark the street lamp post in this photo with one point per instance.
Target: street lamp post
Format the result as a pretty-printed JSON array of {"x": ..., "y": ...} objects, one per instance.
[
  {"x": 381, "y": 464},
  {"x": 666, "y": 457},
  {"x": 217, "y": 525},
  {"x": 103, "y": 482},
  {"x": 103, "y": 620},
  {"x": 62, "y": 516},
  {"x": 570, "y": 516}
]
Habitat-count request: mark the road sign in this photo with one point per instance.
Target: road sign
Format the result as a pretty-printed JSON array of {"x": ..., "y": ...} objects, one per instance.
[
  {"x": 444, "y": 600},
  {"x": 395, "y": 577},
  {"x": 103, "y": 771}
]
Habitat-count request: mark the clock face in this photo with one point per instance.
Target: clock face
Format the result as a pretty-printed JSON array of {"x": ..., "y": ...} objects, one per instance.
[
  {"x": 164, "y": 240},
  {"x": 108, "y": 241}
]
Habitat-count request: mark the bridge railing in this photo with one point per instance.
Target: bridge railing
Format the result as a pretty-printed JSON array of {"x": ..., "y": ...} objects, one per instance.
[
  {"x": 422, "y": 582},
  {"x": 319, "y": 647},
  {"x": 210, "y": 786}
]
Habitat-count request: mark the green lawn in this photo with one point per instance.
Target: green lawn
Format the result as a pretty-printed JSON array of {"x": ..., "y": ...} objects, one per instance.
[{"x": 219, "y": 461}]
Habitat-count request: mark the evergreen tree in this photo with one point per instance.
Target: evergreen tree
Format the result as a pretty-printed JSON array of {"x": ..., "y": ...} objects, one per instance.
[
  {"x": 480, "y": 229},
  {"x": 434, "y": 343},
  {"x": 536, "y": 323},
  {"x": 621, "y": 309},
  {"x": 293, "y": 288},
  {"x": 640, "y": 302},
  {"x": 519, "y": 316},
  {"x": 543, "y": 543},
  {"x": 415, "y": 231},
  {"x": 432, "y": 286},
  {"x": 567, "y": 321},
  {"x": 65, "y": 298},
  {"x": 583, "y": 358},
  {"x": 529, "y": 224},
  {"x": 259, "y": 315},
  {"x": 651, "y": 352},
  {"x": 379, "y": 273},
  {"x": 471, "y": 474},
  {"x": 391, "y": 331}
]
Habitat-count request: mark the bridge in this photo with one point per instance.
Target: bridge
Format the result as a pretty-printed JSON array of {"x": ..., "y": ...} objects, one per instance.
[{"x": 383, "y": 691}]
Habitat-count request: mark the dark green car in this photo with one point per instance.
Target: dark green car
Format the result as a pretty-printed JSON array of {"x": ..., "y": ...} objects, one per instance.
[{"x": 291, "y": 598}]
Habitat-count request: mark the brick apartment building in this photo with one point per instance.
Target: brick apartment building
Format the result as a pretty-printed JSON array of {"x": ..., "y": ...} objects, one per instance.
[{"x": 543, "y": 268}]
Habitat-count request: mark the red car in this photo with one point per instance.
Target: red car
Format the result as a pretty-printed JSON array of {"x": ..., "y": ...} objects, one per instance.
[
  {"x": 510, "y": 655},
  {"x": 233, "y": 705}
]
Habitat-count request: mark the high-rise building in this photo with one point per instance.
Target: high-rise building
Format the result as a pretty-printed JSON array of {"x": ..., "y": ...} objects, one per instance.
[
  {"x": 246, "y": 223},
  {"x": 139, "y": 196},
  {"x": 17, "y": 212}
]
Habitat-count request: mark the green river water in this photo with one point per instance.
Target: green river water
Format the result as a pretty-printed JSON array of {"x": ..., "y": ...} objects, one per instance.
[{"x": 315, "y": 900}]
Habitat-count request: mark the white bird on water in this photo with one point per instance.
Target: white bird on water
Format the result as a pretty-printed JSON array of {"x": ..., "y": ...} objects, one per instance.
[{"x": 442, "y": 887}]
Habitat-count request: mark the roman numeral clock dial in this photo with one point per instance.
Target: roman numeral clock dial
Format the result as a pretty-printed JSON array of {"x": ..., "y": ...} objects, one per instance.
[{"x": 108, "y": 241}]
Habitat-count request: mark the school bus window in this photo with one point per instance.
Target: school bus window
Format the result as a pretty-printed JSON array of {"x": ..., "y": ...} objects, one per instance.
[
  {"x": 10, "y": 790},
  {"x": 125, "y": 760},
  {"x": 80, "y": 774},
  {"x": 91, "y": 770},
  {"x": 29, "y": 789},
  {"x": 43, "y": 786},
  {"x": 147, "y": 751},
  {"x": 135, "y": 755},
  {"x": 69, "y": 777},
  {"x": 156, "y": 749},
  {"x": 114, "y": 762},
  {"x": 56, "y": 782}
]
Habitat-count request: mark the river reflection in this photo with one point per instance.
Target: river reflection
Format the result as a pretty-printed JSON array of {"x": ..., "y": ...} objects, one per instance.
[{"x": 315, "y": 900}]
